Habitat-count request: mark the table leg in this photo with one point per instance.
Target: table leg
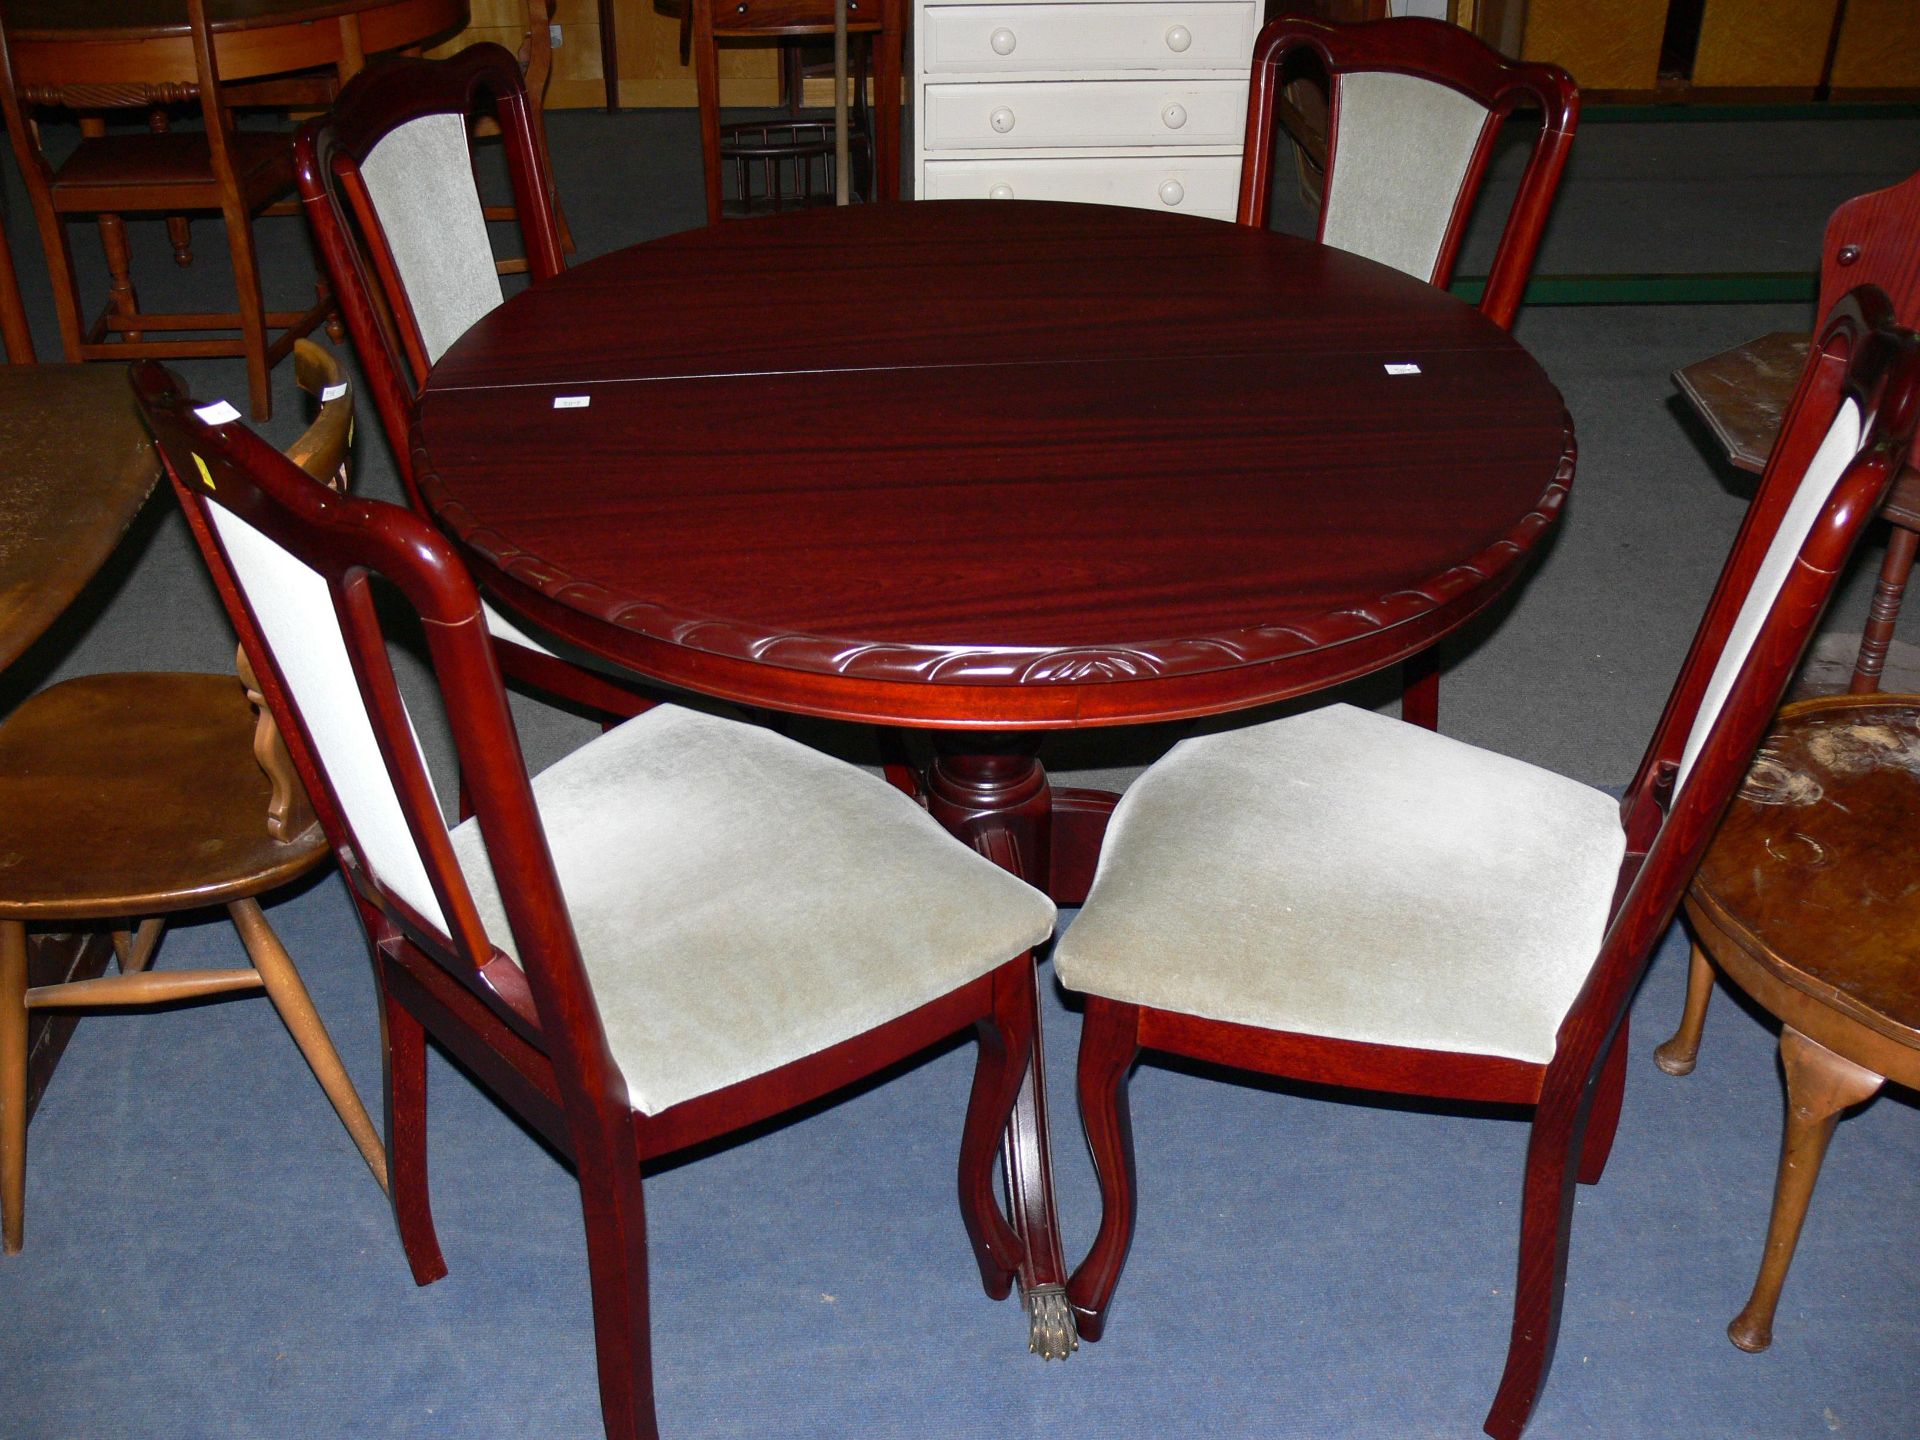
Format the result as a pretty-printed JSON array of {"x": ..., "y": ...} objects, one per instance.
[{"x": 994, "y": 795}]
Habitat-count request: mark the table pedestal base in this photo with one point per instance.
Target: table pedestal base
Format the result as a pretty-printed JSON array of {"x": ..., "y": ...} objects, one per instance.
[{"x": 991, "y": 792}]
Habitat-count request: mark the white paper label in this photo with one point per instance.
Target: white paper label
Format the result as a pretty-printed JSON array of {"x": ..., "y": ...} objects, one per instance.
[
  {"x": 1403, "y": 367},
  {"x": 572, "y": 402},
  {"x": 333, "y": 392},
  {"x": 218, "y": 413}
]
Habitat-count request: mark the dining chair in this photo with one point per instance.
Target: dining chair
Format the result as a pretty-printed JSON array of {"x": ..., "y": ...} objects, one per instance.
[
  {"x": 536, "y": 66},
  {"x": 221, "y": 168},
  {"x": 386, "y": 178},
  {"x": 132, "y": 797},
  {"x": 1348, "y": 899},
  {"x": 1416, "y": 106},
  {"x": 1805, "y": 901},
  {"x": 687, "y": 926},
  {"x": 388, "y": 186},
  {"x": 704, "y": 24}
]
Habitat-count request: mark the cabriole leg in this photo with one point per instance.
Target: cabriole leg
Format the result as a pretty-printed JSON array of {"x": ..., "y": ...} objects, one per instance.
[
  {"x": 1109, "y": 1043},
  {"x": 1820, "y": 1084},
  {"x": 1677, "y": 1055}
]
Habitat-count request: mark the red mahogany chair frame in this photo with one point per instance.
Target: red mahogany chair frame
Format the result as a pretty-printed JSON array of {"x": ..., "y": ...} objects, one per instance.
[
  {"x": 1446, "y": 55},
  {"x": 532, "y": 1031},
  {"x": 1575, "y": 1097},
  {"x": 328, "y": 153}
]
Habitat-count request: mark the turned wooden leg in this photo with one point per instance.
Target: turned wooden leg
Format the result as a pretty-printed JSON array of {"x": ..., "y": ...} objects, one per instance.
[
  {"x": 179, "y": 227},
  {"x": 1109, "y": 1042},
  {"x": 1604, "y": 1117},
  {"x": 1820, "y": 1084},
  {"x": 993, "y": 795},
  {"x": 1006, "y": 1049},
  {"x": 1546, "y": 1218},
  {"x": 135, "y": 950},
  {"x": 289, "y": 995},
  {"x": 1420, "y": 690},
  {"x": 1884, "y": 610},
  {"x": 13, "y": 1084},
  {"x": 121, "y": 299},
  {"x": 1677, "y": 1055}
]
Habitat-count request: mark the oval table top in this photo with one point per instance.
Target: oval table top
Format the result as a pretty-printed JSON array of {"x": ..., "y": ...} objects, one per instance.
[{"x": 992, "y": 464}]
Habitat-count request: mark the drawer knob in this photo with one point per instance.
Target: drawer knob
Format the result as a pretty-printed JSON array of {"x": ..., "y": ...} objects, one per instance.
[
  {"x": 1174, "y": 116},
  {"x": 1001, "y": 120},
  {"x": 1172, "y": 192},
  {"x": 1179, "y": 38},
  {"x": 1000, "y": 192},
  {"x": 1003, "y": 41}
]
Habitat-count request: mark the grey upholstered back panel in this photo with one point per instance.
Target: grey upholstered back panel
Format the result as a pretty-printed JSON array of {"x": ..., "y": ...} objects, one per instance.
[
  {"x": 297, "y": 619},
  {"x": 1829, "y": 463},
  {"x": 1401, "y": 150},
  {"x": 420, "y": 178}
]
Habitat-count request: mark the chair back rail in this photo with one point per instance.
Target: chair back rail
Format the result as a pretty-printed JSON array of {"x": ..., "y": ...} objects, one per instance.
[
  {"x": 250, "y": 510},
  {"x": 1473, "y": 91},
  {"x": 1863, "y": 366},
  {"x": 349, "y": 211}
]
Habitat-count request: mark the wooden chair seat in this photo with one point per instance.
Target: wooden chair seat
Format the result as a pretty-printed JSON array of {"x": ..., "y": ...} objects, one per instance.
[
  {"x": 179, "y": 163},
  {"x": 135, "y": 794},
  {"x": 1806, "y": 902}
]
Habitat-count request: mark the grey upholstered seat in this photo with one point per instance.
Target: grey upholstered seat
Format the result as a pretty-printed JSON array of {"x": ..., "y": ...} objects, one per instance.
[
  {"x": 742, "y": 901},
  {"x": 1342, "y": 874}
]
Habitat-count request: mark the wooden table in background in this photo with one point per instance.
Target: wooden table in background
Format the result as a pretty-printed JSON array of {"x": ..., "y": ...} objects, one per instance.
[
  {"x": 77, "y": 467},
  {"x": 1028, "y": 467},
  {"x": 109, "y": 42}
]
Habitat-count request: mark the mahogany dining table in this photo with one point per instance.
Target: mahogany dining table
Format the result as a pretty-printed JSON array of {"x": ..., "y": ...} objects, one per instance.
[{"x": 990, "y": 469}]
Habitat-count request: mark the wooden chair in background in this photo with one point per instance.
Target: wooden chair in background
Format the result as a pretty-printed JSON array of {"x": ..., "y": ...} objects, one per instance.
[
  {"x": 687, "y": 926},
  {"x": 132, "y": 797},
  {"x": 386, "y": 179},
  {"x": 1806, "y": 902},
  {"x": 1873, "y": 239},
  {"x": 1415, "y": 108},
  {"x": 704, "y": 23},
  {"x": 1351, "y": 900},
  {"x": 237, "y": 173}
]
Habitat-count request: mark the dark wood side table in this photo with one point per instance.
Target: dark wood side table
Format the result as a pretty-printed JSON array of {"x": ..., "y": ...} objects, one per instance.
[
  {"x": 1048, "y": 466},
  {"x": 1806, "y": 902},
  {"x": 77, "y": 467}
]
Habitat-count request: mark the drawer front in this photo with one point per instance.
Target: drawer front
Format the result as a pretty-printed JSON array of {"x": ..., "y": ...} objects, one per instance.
[
  {"x": 994, "y": 39},
  {"x": 1191, "y": 184},
  {"x": 1042, "y": 114}
]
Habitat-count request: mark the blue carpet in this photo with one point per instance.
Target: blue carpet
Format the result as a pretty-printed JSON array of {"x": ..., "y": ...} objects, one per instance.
[{"x": 206, "y": 1256}]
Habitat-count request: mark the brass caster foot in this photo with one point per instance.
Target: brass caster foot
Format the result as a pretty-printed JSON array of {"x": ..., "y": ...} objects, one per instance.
[{"x": 1051, "y": 1334}]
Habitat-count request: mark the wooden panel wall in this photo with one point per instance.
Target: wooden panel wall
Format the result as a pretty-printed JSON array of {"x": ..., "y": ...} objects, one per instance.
[
  {"x": 1604, "y": 47},
  {"x": 650, "y": 70},
  {"x": 1879, "y": 47},
  {"x": 1772, "y": 43}
]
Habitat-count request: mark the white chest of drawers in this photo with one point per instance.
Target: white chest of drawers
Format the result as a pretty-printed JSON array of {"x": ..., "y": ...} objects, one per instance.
[{"x": 1118, "y": 102}]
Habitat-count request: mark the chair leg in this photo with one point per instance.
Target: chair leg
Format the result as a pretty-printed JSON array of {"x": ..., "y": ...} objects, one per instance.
[
  {"x": 1546, "y": 1218},
  {"x": 1888, "y": 593},
  {"x": 13, "y": 1084},
  {"x": 1109, "y": 1041},
  {"x": 289, "y": 995},
  {"x": 253, "y": 310},
  {"x": 706, "y": 75},
  {"x": 135, "y": 950},
  {"x": 1604, "y": 1119},
  {"x": 1677, "y": 1055},
  {"x": 405, "y": 1048},
  {"x": 610, "y": 1195},
  {"x": 1820, "y": 1084},
  {"x": 1006, "y": 1050},
  {"x": 1420, "y": 690}
]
